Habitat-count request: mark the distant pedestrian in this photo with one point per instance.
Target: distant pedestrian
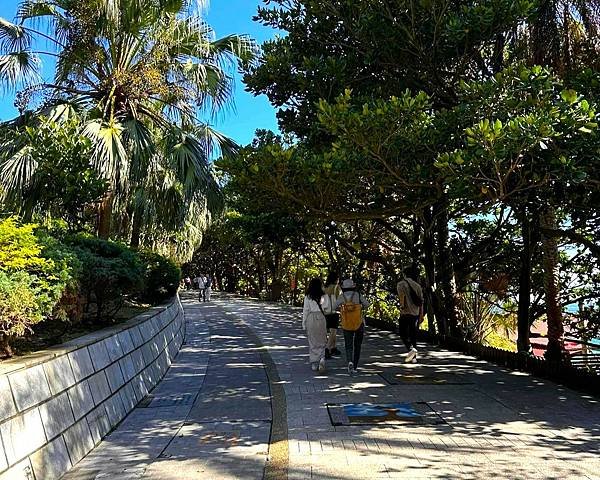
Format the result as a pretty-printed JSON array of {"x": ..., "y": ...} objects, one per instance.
[
  {"x": 332, "y": 317},
  {"x": 188, "y": 283},
  {"x": 410, "y": 295},
  {"x": 200, "y": 285},
  {"x": 313, "y": 321},
  {"x": 352, "y": 306},
  {"x": 204, "y": 284},
  {"x": 207, "y": 288}
]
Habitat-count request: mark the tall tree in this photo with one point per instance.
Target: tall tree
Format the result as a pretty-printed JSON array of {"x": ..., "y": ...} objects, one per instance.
[
  {"x": 138, "y": 71},
  {"x": 563, "y": 35}
]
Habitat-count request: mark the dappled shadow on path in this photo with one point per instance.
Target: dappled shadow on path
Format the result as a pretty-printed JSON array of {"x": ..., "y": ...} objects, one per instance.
[
  {"x": 496, "y": 420},
  {"x": 496, "y": 423}
]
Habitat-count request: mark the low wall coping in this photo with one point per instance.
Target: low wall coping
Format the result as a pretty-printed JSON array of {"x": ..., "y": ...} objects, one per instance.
[{"x": 42, "y": 356}]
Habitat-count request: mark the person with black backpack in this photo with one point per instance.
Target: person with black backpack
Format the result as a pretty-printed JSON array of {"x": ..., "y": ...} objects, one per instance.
[{"x": 410, "y": 295}]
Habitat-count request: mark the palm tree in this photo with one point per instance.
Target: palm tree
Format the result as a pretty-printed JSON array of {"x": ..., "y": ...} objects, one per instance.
[{"x": 136, "y": 72}]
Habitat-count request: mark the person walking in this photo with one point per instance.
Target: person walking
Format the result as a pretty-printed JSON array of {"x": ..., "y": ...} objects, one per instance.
[
  {"x": 352, "y": 306},
  {"x": 200, "y": 284},
  {"x": 207, "y": 288},
  {"x": 313, "y": 321},
  {"x": 410, "y": 295},
  {"x": 332, "y": 317}
]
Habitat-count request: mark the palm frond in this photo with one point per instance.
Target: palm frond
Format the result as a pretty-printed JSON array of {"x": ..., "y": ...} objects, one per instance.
[
  {"x": 138, "y": 138},
  {"x": 216, "y": 144},
  {"x": 108, "y": 152},
  {"x": 34, "y": 9},
  {"x": 16, "y": 172},
  {"x": 19, "y": 69},
  {"x": 238, "y": 47},
  {"x": 210, "y": 86},
  {"x": 111, "y": 12},
  {"x": 187, "y": 157},
  {"x": 61, "y": 112},
  {"x": 13, "y": 37}
]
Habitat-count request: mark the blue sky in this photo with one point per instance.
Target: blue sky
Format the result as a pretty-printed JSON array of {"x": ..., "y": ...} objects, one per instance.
[{"x": 226, "y": 17}]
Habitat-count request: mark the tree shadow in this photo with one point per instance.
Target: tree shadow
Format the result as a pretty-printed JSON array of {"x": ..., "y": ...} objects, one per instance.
[{"x": 496, "y": 422}]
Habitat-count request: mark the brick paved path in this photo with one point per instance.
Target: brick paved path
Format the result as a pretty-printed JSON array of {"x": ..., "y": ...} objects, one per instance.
[
  {"x": 211, "y": 417},
  {"x": 498, "y": 423}
]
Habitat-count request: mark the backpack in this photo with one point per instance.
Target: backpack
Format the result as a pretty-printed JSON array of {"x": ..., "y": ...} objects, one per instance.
[
  {"x": 414, "y": 296},
  {"x": 351, "y": 314},
  {"x": 328, "y": 304}
]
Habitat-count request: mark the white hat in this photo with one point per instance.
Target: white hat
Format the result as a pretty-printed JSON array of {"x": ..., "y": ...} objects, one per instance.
[{"x": 348, "y": 284}]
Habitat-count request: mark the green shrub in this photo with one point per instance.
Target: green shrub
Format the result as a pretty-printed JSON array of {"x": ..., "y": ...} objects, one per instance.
[
  {"x": 42, "y": 278},
  {"x": 20, "y": 249},
  {"x": 497, "y": 340},
  {"x": 161, "y": 279},
  {"x": 110, "y": 272},
  {"x": 61, "y": 282},
  {"x": 36, "y": 271},
  {"x": 20, "y": 308}
]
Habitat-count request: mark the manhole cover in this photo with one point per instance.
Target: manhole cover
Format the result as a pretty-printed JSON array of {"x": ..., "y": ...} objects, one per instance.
[
  {"x": 389, "y": 413},
  {"x": 414, "y": 377},
  {"x": 156, "y": 401}
]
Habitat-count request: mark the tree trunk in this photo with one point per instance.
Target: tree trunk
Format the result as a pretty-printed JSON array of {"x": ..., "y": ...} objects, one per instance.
[
  {"x": 105, "y": 216},
  {"x": 136, "y": 228},
  {"x": 416, "y": 253},
  {"x": 523, "y": 344},
  {"x": 433, "y": 318},
  {"x": 551, "y": 287},
  {"x": 445, "y": 267}
]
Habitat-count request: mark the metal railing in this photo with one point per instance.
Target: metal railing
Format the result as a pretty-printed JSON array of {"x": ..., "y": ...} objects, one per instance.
[{"x": 585, "y": 355}]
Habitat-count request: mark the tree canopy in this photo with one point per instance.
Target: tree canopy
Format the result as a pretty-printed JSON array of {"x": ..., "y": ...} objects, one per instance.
[{"x": 445, "y": 135}]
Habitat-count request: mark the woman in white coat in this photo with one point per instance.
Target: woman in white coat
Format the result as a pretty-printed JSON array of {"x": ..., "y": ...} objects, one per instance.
[{"x": 313, "y": 321}]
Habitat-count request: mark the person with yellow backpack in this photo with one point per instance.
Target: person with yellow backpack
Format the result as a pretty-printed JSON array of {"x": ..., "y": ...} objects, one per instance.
[{"x": 352, "y": 306}]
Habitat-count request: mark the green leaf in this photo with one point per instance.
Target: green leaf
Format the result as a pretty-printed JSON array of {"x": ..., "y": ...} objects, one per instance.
[
  {"x": 569, "y": 96},
  {"x": 585, "y": 106}
]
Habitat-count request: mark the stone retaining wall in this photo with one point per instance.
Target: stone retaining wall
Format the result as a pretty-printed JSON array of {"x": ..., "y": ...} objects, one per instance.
[{"x": 56, "y": 405}]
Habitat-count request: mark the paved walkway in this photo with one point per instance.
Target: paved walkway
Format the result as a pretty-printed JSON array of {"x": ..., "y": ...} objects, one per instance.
[{"x": 241, "y": 386}]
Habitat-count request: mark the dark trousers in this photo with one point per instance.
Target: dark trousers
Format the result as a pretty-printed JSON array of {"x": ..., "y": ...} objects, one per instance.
[
  {"x": 353, "y": 340},
  {"x": 407, "y": 327}
]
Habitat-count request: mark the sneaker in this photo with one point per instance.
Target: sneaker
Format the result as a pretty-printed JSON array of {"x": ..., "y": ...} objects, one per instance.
[
  {"x": 355, "y": 371},
  {"x": 327, "y": 354},
  {"x": 321, "y": 365},
  {"x": 350, "y": 368},
  {"x": 314, "y": 367},
  {"x": 335, "y": 352},
  {"x": 412, "y": 354}
]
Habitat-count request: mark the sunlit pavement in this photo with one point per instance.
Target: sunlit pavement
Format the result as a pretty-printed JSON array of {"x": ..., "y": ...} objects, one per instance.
[
  {"x": 496, "y": 423},
  {"x": 219, "y": 405}
]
